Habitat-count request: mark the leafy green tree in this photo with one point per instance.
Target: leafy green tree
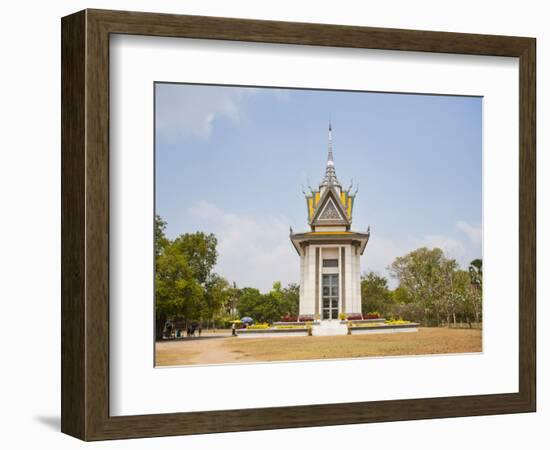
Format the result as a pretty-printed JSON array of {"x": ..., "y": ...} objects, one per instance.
[
  {"x": 426, "y": 274},
  {"x": 401, "y": 296},
  {"x": 177, "y": 291},
  {"x": 161, "y": 242},
  {"x": 185, "y": 285},
  {"x": 291, "y": 300},
  {"x": 271, "y": 306},
  {"x": 218, "y": 292},
  {"x": 232, "y": 301},
  {"x": 249, "y": 301},
  {"x": 200, "y": 250},
  {"x": 375, "y": 295}
]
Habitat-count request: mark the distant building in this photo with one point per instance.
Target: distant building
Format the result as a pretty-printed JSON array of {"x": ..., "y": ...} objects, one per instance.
[{"x": 330, "y": 251}]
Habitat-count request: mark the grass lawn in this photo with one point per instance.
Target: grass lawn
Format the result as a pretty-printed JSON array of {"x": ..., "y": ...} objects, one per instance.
[{"x": 233, "y": 350}]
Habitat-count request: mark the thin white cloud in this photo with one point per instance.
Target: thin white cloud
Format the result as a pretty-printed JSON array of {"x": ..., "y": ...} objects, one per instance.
[
  {"x": 252, "y": 251},
  {"x": 193, "y": 110},
  {"x": 473, "y": 233},
  {"x": 379, "y": 254},
  {"x": 451, "y": 246}
]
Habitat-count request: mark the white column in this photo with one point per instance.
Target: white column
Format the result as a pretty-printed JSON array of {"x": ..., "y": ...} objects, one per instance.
[
  {"x": 305, "y": 290},
  {"x": 350, "y": 279},
  {"x": 320, "y": 286},
  {"x": 303, "y": 277},
  {"x": 358, "y": 281},
  {"x": 309, "y": 303}
]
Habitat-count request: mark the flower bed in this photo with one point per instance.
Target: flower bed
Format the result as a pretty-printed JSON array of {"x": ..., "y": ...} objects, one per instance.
[
  {"x": 306, "y": 319},
  {"x": 277, "y": 324},
  {"x": 289, "y": 319},
  {"x": 371, "y": 315},
  {"x": 397, "y": 322},
  {"x": 353, "y": 317},
  {"x": 367, "y": 324},
  {"x": 258, "y": 326}
]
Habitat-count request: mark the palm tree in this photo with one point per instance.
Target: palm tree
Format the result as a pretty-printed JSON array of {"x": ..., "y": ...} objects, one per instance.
[{"x": 476, "y": 272}]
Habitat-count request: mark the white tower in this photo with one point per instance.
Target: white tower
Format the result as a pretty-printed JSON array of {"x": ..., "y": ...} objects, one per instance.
[{"x": 330, "y": 251}]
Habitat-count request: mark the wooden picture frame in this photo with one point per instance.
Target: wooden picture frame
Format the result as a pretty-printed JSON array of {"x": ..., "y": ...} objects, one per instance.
[{"x": 85, "y": 224}]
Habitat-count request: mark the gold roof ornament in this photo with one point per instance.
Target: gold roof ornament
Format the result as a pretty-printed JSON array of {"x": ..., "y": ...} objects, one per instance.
[
  {"x": 330, "y": 211},
  {"x": 335, "y": 203}
]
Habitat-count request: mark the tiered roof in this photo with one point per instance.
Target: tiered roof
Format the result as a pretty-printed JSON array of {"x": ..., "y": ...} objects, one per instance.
[{"x": 330, "y": 204}]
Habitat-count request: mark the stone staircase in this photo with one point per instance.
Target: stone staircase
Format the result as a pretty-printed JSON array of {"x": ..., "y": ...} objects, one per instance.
[{"x": 329, "y": 328}]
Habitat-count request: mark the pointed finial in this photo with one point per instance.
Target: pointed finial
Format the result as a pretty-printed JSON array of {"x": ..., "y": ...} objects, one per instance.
[
  {"x": 330, "y": 157},
  {"x": 330, "y": 172}
]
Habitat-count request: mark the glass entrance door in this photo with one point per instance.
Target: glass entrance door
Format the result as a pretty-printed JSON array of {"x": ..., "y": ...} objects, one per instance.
[{"x": 330, "y": 296}]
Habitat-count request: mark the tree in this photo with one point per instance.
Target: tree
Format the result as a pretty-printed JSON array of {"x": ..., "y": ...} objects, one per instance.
[
  {"x": 200, "y": 250},
  {"x": 474, "y": 305},
  {"x": 456, "y": 297},
  {"x": 230, "y": 306},
  {"x": 291, "y": 300},
  {"x": 177, "y": 291},
  {"x": 249, "y": 301},
  {"x": 375, "y": 295},
  {"x": 447, "y": 301},
  {"x": 476, "y": 272},
  {"x": 161, "y": 242},
  {"x": 474, "y": 299},
  {"x": 218, "y": 292},
  {"x": 185, "y": 285},
  {"x": 272, "y": 304},
  {"x": 401, "y": 296},
  {"x": 269, "y": 307},
  {"x": 426, "y": 274}
]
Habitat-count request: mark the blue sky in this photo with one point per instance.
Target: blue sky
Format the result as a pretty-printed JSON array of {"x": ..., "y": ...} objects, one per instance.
[{"x": 232, "y": 161}]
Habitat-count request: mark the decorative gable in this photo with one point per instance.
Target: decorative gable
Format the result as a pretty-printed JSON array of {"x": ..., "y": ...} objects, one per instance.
[{"x": 330, "y": 210}]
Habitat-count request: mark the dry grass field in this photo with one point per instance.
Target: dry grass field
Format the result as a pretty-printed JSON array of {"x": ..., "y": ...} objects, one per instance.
[{"x": 222, "y": 350}]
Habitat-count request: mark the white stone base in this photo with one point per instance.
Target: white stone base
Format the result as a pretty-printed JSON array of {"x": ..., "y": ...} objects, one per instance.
[
  {"x": 329, "y": 328},
  {"x": 381, "y": 330},
  {"x": 271, "y": 334}
]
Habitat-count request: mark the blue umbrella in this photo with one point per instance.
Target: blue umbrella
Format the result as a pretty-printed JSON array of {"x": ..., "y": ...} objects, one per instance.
[{"x": 247, "y": 319}]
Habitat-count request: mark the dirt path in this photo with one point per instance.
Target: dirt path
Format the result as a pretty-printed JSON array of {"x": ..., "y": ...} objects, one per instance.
[
  {"x": 215, "y": 351},
  {"x": 196, "y": 351},
  {"x": 229, "y": 350}
]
